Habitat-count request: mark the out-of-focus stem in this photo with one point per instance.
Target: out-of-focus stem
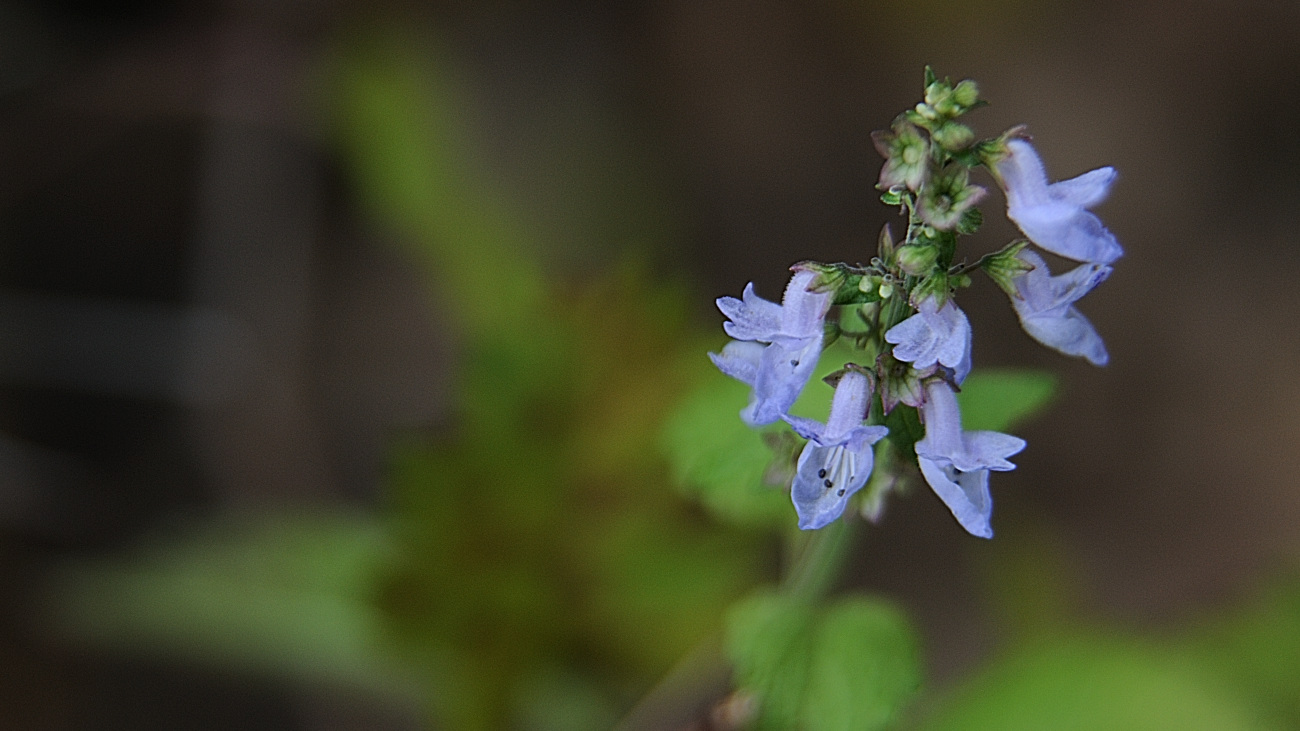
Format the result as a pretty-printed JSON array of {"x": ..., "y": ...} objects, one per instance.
[{"x": 817, "y": 561}]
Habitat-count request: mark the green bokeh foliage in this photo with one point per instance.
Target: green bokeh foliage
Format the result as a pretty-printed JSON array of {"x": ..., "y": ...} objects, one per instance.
[
  {"x": 846, "y": 666},
  {"x": 537, "y": 532}
]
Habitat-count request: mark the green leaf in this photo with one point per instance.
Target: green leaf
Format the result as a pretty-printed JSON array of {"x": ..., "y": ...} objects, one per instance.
[
  {"x": 849, "y": 667},
  {"x": 1097, "y": 682},
  {"x": 717, "y": 458},
  {"x": 865, "y": 666},
  {"x": 768, "y": 640},
  {"x": 998, "y": 399},
  {"x": 1257, "y": 648},
  {"x": 286, "y": 597}
]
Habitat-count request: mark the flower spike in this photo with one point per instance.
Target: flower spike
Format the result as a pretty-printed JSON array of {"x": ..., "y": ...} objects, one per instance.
[{"x": 895, "y": 308}]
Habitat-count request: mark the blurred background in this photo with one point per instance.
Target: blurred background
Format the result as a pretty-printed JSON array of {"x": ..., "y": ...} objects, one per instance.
[{"x": 337, "y": 342}]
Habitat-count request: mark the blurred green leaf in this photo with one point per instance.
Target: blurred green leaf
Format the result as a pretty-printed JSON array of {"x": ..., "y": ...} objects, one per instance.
[
  {"x": 998, "y": 399},
  {"x": 1257, "y": 648},
  {"x": 1090, "y": 682},
  {"x": 557, "y": 699},
  {"x": 865, "y": 666},
  {"x": 284, "y": 596},
  {"x": 717, "y": 458},
  {"x": 769, "y": 637},
  {"x": 534, "y": 534},
  {"x": 402, "y": 119},
  {"x": 848, "y": 667}
]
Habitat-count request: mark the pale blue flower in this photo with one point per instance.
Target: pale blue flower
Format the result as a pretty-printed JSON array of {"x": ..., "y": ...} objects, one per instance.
[
  {"x": 1054, "y": 216},
  {"x": 792, "y": 332},
  {"x": 933, "y": 335},
  {"x": 838, "y": 458},
  {"x": 1046, "y": 307},
  {"x": 956, "y": 462}
]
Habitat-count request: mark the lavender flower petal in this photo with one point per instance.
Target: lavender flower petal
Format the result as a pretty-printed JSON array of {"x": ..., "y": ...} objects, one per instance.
[
  {"x": 933, "y": 335},
  {"x": 1046, "y": 308},
  {"x": 838, "y": 458},
  {"x": 752, "y": 317},
  {"x": 793, "y": 333},
  {"x": 1055, "y": 216},
  {"x": 965, "y": 493}
]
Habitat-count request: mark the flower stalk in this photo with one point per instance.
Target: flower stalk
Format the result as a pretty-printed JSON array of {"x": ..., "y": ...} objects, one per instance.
[{"x": 894, "y": 410}]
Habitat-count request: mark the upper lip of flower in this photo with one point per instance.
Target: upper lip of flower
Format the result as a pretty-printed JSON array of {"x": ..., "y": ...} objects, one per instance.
[{"x": 792, "y": 323}]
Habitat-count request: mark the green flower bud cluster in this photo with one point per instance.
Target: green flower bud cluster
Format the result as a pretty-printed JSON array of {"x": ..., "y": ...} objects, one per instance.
[{"x": 929, "y": 155}]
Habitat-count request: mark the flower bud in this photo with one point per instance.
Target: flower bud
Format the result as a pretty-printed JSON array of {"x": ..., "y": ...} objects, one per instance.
[
  {"x": 938, "y": 94},
  {"x": 917, "y": 260},
  {"x": 885, "y": 245},
  {"x": 966, "y": 94},
  {"x": 953, "y": 136}
]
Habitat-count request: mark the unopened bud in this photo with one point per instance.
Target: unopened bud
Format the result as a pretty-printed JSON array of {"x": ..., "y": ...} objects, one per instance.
[
  {"x": 953, "y": 136},
  {"x": 916, "y": 260},
  {"x": 967, "y": 93},
  {"x": 885, "y": 245},
  {"x": 938, "y": 94}
]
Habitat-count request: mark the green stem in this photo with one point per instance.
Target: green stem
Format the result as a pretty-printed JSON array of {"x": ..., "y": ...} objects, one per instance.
[
  {"x": 966, "y": 269},
  {"x": 818, "y": 560}
]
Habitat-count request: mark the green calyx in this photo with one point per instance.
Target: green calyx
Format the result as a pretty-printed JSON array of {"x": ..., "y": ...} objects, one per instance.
[
  {"x": 947, "y": 196},
  {"x": 1004, "y": 266},
  {"x": 907, "y": 156}
]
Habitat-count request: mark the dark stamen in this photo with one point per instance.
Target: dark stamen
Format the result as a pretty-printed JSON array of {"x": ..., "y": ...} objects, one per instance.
[
  {"x": 821, "y": 473},
  {"x": 829, "y": 484}
]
